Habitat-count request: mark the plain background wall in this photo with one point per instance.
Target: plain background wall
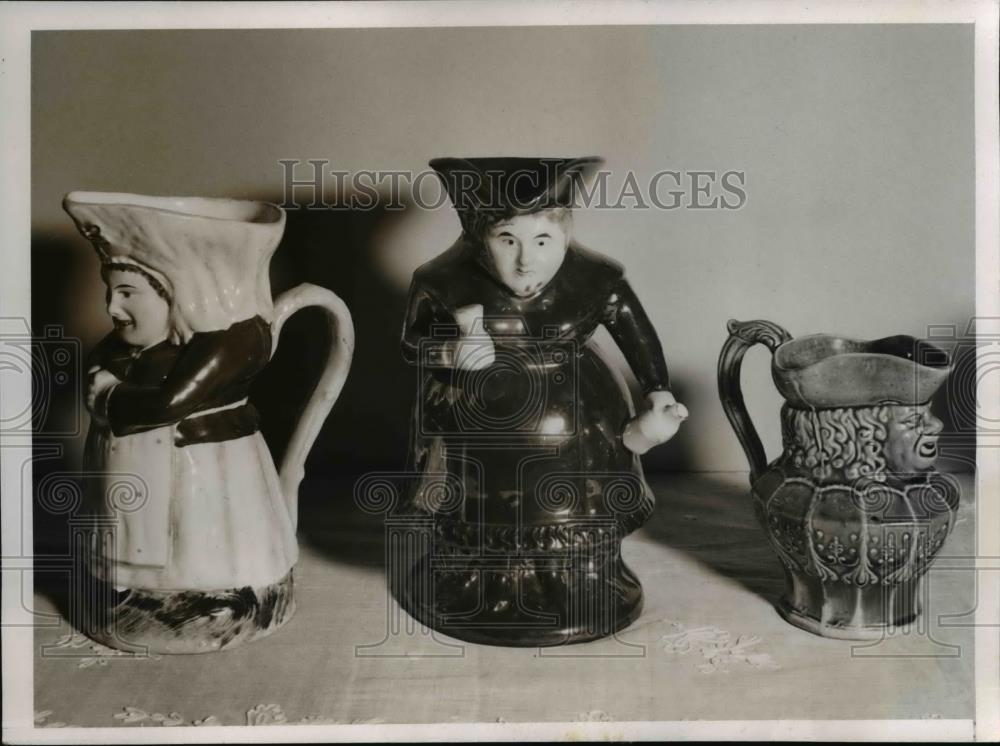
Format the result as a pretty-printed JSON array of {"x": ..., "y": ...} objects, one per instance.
[{"x": 856, "y": 141}]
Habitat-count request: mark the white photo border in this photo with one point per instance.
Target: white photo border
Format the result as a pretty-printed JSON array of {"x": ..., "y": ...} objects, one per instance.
[{"x": 17, "y": 20}]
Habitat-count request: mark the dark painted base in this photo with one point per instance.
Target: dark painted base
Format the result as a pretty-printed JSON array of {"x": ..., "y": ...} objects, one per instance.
[
  {"x": 844, "y": 611},
  {"x": 142, "y": 620},
  {"x": 524, "y": 601}
]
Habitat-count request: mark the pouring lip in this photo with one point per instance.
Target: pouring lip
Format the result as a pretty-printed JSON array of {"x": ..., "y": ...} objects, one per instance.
[
  {"x": 255, "y": 212},
  {"x": 864, "y": 349}
]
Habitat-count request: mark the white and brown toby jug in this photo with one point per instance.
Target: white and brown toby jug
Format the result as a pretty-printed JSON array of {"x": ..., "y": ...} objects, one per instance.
[{"x": 201, "y": 558}]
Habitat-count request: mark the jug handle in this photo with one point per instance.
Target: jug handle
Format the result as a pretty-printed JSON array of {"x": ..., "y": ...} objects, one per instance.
[
  {"x": 327, "y": 389},
  {"x": 742, "y": 336}
]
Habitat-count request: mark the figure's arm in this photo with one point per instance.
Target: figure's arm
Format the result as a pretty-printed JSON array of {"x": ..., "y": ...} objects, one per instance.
[
  {"x": 111, "y": 353},
  {"x": 106, "y": 365},
  {"x": 424, "y": 311},
  {"x": 208, "y": 364},
  {"x": 434, "y": 337},
  {"x": 630, "y": 327}
]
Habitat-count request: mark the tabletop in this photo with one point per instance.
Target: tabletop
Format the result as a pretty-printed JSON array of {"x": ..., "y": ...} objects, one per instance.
[{"x": 708, "y": 645}]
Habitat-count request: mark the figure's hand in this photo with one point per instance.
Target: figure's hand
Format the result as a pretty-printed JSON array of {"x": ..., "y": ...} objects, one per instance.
[
  {"x": 658, "y": 424},
  {"x": 475, "y": 346},
  {"x": 470, "y": 319},
  {"x": 99, "y": 381}
]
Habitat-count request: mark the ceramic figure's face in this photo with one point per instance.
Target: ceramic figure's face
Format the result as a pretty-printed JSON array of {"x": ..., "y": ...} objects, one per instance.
[
  {"x": 141, "y": 314},
  {"x": 911, "y": 443},
  {"x": 527, "y": 250}
]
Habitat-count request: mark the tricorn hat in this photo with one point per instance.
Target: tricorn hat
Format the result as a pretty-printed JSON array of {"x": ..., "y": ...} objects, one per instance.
[
  {"x": 485, "y": 190},
  {"x": 820, "y": 371}
]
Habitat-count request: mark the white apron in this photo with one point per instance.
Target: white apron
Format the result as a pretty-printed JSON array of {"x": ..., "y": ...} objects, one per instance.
[{"x": 213, "y": 516}]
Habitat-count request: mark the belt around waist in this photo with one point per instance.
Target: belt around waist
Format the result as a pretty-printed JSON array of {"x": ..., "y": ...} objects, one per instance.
[{"x": 217, "y": 426}]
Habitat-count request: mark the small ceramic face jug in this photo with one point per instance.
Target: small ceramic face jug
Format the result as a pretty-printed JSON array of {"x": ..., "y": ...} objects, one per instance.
[
  {"x": 201, "y": 559},
  {"x": 853, "y": 506}
]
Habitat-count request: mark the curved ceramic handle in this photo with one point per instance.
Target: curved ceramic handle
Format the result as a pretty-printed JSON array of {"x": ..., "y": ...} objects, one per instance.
[
  {"x": 742, "y": 336},
  {"x": 338, "y": 362}
]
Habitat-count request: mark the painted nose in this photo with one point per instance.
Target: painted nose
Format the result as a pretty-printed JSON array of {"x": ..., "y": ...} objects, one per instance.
[
  {"x": 932, "y": 425},
  {"x": 115, "y": 308},
  {"x": 525, "y": 258}
]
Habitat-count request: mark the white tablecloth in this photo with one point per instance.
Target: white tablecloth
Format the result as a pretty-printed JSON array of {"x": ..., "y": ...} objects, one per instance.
[{"x": 708, "y": 645}]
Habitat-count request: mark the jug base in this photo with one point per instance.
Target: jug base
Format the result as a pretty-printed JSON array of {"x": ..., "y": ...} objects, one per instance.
[
  {"x": 528, "y": 605},
  {"x": 142, "y": 620},
  {"x": 839, "y": 631}
]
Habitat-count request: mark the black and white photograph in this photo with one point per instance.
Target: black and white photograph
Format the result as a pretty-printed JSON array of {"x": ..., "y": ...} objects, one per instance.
[{"x": 447, "y": 371}]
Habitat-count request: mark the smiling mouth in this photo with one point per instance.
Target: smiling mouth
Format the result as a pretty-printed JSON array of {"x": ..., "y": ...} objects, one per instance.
[{"x": 122, "y": 323}]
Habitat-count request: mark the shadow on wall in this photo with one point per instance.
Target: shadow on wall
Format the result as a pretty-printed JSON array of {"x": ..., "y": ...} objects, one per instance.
[
  {"x": 367, "y": 428},
  {"x": 61, "y": 266}
]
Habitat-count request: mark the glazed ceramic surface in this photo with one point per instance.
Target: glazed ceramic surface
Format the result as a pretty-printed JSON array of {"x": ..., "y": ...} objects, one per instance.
[
  {"x": 203, "y": 559},
  {"x": 518, "y": 427},
  {"x": 853, "y": 506}
]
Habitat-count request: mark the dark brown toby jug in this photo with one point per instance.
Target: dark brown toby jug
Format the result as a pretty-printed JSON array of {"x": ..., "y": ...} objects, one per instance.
[
  {"x": 525, "y": 441},
  {"x": 853, "y": 506}
]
